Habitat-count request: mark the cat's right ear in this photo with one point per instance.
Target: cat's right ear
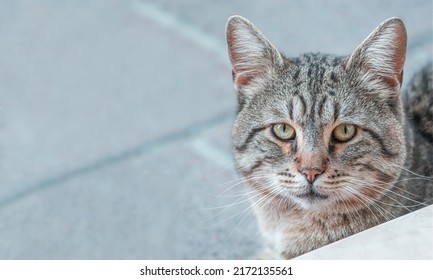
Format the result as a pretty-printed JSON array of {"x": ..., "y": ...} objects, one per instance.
[
  {"x": 382, "y": 54},
  {"x": 252, "y": 56}
]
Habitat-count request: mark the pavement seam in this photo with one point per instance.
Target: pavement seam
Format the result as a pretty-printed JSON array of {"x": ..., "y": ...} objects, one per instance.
[
  {"x": 210, "y": 152},
  {"x": 202, "y": 146},
  {"x": 181, "y": 28},
  {"x": 192, "y": 131},
  {"x": 205, "y": 149}
]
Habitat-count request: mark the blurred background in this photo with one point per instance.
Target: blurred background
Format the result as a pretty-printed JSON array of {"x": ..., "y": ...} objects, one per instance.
[{"x": 115, "y": 119}]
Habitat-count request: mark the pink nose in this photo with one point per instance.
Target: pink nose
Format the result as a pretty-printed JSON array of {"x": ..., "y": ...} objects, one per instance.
[{"x": 311, "y": 174}]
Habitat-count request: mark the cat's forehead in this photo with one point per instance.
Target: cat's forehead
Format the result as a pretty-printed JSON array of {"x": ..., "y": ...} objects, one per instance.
[
  {"x": 315, "y": 88},
  {"x": 318, "y": 60},
  {"x": 314, "y": 67},
  {"x": 309, "y": 89},
  {"x": 313, "y": 75}
]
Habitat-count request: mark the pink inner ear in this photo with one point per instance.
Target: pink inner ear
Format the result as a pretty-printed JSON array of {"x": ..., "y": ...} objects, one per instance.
[
  {"x": 242, "y": 74},
  {"x": 392, "y": 82},
  {"x": 383, "y": 52},
  {"x": 252, "y": 56},
  {"x": 239, "y": 79},
  {"x": 242, "y": 80},
  {"x": 396, "y": 79},
  {"x": 400, "y": 52},
  {"x": 400, "y": 78}
]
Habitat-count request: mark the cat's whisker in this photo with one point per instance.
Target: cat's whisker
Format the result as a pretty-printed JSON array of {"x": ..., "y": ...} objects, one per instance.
[
  {"x": 247, "y": 180},
  {"x": 256, "y": 193},
  {"x": 367, "y": 205},
  {"x": 395, "y": 182},
  {"x": 244, "y": 180},
  {"x": 364, "y": 200},
  {"x": 227, "y": 207},
  {"x": 263, "y": 200},
  {"x": 398, "y": 205},
  {"x": 371, "y": 202},
  {"x": 385, "y": 189},
  {"x": 242, "y": 197},
  {"x": 256, "y": 175},
  {"x": 387, "y": 193},
  {"x": 414, "y": 178},
  {"x": 281, "y": 201},
  {"x": 412, "y": 172},
  {"x": 379, "y": 183},
  {"x": 238, "y": 195},
  {"x": 350, "y": 212},
  {"x": 239, "y": 200},
  {"x": 234, "y": 195}
]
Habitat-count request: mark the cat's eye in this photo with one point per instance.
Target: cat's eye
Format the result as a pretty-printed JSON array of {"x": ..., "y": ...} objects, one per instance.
[
  {"x": 344, "y": 132},
  {"x": 283, "y": 131}
]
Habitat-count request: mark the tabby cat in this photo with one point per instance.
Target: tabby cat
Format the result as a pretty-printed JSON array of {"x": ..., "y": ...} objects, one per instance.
[{"x": 324, "y": 141}]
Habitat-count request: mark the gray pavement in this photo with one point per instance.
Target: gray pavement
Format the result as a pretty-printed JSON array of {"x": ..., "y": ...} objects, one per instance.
[{"x": 115, "y": 120}]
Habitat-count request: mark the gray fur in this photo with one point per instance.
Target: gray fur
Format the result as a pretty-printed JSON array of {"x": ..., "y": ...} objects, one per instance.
[
  {"x": 419, "y": 100},
  {"x": 383, "y": 172}
]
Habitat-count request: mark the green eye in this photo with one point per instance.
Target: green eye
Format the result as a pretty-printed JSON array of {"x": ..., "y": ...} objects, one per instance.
[
  {"x": 283, "y": 131},
  {"x": 344, "y": 132}
]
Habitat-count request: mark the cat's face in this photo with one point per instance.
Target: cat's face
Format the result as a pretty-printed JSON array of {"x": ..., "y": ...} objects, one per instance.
[{"x": 319, "y": 130}]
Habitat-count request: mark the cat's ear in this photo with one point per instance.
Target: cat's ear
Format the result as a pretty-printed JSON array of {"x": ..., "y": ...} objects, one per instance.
[
  {"x": 252, "y": 56},
  {"x": 382, "y": 54}
]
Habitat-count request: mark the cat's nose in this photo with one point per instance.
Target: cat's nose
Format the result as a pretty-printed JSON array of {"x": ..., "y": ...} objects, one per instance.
[{"x": 311, "y": 174}]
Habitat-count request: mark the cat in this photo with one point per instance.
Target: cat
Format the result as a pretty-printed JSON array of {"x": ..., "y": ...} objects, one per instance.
[{"x": 324, "y": 141}]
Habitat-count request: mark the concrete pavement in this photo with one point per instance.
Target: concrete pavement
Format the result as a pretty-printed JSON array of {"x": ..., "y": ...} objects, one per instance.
[{"x": 115, "y": 120}]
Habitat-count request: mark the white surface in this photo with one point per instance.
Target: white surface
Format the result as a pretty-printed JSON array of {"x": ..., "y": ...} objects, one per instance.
[{"x": 409, "y": 237}]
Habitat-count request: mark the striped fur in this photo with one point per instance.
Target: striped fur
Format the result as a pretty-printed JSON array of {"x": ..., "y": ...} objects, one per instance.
[{"x": 357, "y": 184}]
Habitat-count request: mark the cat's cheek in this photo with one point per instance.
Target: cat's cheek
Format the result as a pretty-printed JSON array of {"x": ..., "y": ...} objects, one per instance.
[
  {"x": 361, "y": 200},
  {"x": 286, "y": 148},
  {"x": 339, "y": 149}
]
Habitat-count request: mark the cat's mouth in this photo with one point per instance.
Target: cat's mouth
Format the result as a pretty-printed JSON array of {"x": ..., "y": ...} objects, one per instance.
[{"x": 312, "y": 195}]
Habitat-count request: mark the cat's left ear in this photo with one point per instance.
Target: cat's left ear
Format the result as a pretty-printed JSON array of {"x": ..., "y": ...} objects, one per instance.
[
  {"x": 252, "y": 56},
  {"x": 382, "y": 54}
]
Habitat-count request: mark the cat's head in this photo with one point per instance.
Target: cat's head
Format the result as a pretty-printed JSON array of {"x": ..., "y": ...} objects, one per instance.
[{"x": 319, "y": 130}]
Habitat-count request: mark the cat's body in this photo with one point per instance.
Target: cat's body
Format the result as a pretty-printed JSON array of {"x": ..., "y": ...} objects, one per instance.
[{"x": 323, "y": 140}]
